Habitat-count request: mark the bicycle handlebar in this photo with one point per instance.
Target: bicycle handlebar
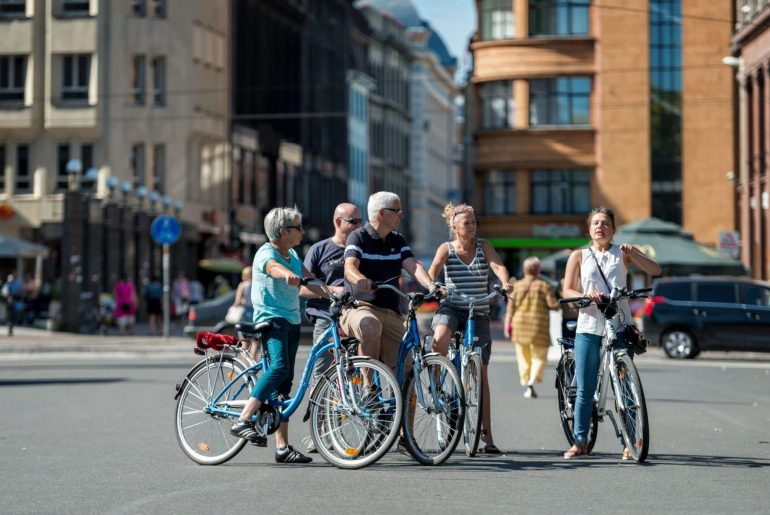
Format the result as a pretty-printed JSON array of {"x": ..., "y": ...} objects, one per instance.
[
  {"x": 622, "y": 293},
  {"x": 497, "y": 289},
  {"x": 415, "y": 296},
  {"x": 345, "y": 298}
]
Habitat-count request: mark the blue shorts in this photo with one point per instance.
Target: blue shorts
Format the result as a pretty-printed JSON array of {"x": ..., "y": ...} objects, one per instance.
[{"x": 455, "y": 320}]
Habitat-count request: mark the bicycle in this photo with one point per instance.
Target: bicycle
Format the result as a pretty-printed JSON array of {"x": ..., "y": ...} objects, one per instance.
[
  {"x": 616, "y": 369},
  {"x": 465, "y": 353},
  {"x": 354, "y": 407},
  {"x": 432, "y": 390}
]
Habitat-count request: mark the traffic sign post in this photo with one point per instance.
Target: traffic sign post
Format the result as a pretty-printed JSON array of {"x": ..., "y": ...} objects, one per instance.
[{"x": 166, "y": 230}]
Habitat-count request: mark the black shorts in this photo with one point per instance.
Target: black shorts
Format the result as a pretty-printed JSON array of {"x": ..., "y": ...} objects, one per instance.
[{"x": 154, "y": 307}]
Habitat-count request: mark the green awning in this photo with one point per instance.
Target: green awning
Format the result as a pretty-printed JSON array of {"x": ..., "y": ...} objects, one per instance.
[{"x": 538, "y": 243}]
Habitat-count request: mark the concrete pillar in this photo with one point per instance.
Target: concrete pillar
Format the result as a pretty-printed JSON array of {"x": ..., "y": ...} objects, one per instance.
[
  {"x": 521, "y": 18},
  {"x": 744, "y": 192}
]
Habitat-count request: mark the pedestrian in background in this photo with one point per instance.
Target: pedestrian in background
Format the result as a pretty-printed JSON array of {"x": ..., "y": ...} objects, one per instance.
[
  {"x": 197, "y": 293},
  {"x": 153, "y": 296},
  {"x": 180, "y": 294},
  {"x": 527, "y": 323},
  {"x": 125, "y": 305}
]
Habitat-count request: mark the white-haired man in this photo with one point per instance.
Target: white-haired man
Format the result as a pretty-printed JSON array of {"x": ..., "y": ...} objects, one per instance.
[{"x": 378, "y": 253}]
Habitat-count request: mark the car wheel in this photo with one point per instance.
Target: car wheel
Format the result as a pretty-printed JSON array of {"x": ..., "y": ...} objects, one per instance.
[{"x": 679, "y": 344}]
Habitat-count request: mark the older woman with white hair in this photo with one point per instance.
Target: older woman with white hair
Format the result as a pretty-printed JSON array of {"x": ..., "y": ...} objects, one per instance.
[
  {"x": 527, "y": 324},
  {"x": 276, "y": 275}
]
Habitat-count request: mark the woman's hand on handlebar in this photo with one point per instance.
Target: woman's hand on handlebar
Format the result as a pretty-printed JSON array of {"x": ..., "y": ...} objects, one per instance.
[
  {"x": 595, "y": 296},
  {"x": 292, "y": 279}
]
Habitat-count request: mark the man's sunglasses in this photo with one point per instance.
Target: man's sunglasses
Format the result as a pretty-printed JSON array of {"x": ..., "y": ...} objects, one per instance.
[
  {"x": 397, "y": 211},
  {"x": 352, "y": 221}
]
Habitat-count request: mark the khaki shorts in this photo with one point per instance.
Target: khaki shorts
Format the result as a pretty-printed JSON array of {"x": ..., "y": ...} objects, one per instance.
[{"x": 393, "y": 327}]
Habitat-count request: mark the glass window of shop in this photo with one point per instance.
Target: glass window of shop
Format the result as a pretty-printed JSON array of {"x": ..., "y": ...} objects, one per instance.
[
  {"x": 559, "y": 17},
  {"x": 497, "y": 20},
  {"x": 560, "y": 101},
  {"x": 497, "y": 105},
  {"x": 560, "y": 192},
  {"x": 499, "y": 192}
]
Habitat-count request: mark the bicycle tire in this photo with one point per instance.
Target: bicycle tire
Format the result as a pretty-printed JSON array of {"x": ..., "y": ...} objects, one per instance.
[
  {"x": 432, "y": 427},
  {"x": 474, "y": 402},
  {"x": 350, "y": 438},
  {"x": 632, "y": 408},
  {"x": 205, "y": 438},
  {"x": 566, "y": 389}
]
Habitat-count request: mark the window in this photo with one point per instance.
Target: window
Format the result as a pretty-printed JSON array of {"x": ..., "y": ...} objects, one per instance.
[
  {"x": 159, "y": 81},
  {"x": 137, "y": 79},
  {"x": 23, "y": 175},
  {"x": 674, "y": 291},
  {"x": 497, "y": 19},
  {"x": 137, "y": 163},
  {"x": 139, "y": 7},
  {"x": 2, "y": 169},
  {"x": 62, "y": 158},
  {"x": 12, "y": 8},
  {"x": 754, "y": 295},
  {"x": 561, "y": 101},
  {"x": 158, "y": 167},
  {"x": 497, "y": 106},
  {"x": 75, "y": 7},
  {"x": 76, "y": 76},
  {"x": 87, "y": 156},
  {"x": 159, "y": 8},
  {"x": 561, "y": 192},
  {"x": 558, "y": 17},
  {"x": 13, "y": 73},
  {"x": 499, "y": 192},
  {"x": 716, "y": 292}
]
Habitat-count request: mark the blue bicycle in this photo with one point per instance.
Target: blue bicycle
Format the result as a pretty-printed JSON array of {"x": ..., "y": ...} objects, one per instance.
[
  {"x": 465, "y": 353},
  {"x": 354, "y": 409},
  {"x": 433, "y": 393}
]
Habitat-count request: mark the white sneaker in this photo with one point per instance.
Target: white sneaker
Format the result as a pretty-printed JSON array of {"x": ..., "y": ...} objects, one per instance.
[{"x": 528, "y": 393}]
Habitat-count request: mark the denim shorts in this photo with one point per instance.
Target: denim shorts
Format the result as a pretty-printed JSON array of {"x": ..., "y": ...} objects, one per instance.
[{"x": 455, "y": 320}]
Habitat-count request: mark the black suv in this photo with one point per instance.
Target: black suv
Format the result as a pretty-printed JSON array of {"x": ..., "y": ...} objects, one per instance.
[{"x": 686, "y": 315}]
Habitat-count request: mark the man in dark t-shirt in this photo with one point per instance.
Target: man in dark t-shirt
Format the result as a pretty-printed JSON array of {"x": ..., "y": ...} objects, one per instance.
[
  {"x": 377, "y": 253},
  {"x": 326, "y": 261}
]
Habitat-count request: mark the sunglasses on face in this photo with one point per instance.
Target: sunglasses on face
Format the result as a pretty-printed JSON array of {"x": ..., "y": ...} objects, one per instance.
[
  {"x": 397, "y": 211},
  {"x": 352, "y": 221},
  {"x": 298, "y": 227},
  {"x": 606, "y": 211}
]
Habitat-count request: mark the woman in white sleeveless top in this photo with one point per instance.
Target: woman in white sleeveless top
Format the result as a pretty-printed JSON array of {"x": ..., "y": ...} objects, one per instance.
[{"x": 582, "y": 278}]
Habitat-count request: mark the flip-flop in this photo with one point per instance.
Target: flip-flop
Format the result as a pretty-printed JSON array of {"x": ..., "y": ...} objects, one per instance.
[{"x": 490, "y": 449}]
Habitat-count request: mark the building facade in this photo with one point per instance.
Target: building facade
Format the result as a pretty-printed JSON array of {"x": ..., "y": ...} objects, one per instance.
[
  {"x": 123, "y": 104},
  {"x": 578, "y": 104},
  {"x": 390, "y": 59},
  {"x": 751, "y": 42}
]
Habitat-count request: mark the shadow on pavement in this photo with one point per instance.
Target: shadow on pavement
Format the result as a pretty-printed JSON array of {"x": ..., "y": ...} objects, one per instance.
[{"x": 70, "y": 380}]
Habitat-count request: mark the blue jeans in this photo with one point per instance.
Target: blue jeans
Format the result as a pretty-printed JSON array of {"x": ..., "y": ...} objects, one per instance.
[
  {"x": 281, "y": 342},
  {"x": 588, "y": 349}
]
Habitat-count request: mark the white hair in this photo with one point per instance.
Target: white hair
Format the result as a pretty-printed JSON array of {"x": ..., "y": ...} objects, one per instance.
[
  {"x": 531, "y": 265},
  {"x": 280, "y": 217},
  {"x": 380, "y": 200}
]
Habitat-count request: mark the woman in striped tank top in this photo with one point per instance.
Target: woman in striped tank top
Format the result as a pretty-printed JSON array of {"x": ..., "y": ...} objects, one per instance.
[{"x": 465, "y": 263}]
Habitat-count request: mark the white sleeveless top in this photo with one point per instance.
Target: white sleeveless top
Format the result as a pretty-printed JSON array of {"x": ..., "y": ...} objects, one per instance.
[{"x": 590, "y": 319}]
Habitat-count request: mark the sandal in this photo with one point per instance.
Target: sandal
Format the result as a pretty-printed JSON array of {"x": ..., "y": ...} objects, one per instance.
[
  {"x": 490, "y": 448},
  {"x": 576, "y": 451}
]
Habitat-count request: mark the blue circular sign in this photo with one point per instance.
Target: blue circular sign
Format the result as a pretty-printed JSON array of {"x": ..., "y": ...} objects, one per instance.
[{"x": 165, "y": 230}]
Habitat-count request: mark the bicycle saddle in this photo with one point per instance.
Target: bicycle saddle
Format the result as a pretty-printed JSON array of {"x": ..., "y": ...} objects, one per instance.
[{"x": 251, "y": 330}]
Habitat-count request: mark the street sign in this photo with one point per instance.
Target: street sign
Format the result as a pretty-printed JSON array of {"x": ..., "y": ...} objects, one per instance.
[
  {"x": 729, "y": 243},
  {"x": 165, "y": 230}
]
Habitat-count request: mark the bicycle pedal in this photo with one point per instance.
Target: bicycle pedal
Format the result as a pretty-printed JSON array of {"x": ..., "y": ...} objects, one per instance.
[{"x": 259, "y": 441}]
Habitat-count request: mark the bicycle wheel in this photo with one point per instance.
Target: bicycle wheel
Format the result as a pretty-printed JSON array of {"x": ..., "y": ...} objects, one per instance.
[
  {"x": 204, "y": 437},
  {"x": 358, "y": 433},
  {"x": 632, "y": 408},
  {"x": 474, "y": 399},
  {"x": 566, "y": 389},
  {"x": 432, "y": 423}
]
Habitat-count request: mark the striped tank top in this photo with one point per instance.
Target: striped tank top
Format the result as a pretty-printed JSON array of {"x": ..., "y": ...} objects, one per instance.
[{"x": 469, "y": 279}]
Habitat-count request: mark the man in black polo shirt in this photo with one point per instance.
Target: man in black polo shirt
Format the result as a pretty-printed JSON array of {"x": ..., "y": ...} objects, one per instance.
[{"x": 377, "y": 253}]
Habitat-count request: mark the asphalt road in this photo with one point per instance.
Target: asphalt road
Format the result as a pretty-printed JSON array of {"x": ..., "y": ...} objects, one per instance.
[{"x": 89, "y": 429}]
